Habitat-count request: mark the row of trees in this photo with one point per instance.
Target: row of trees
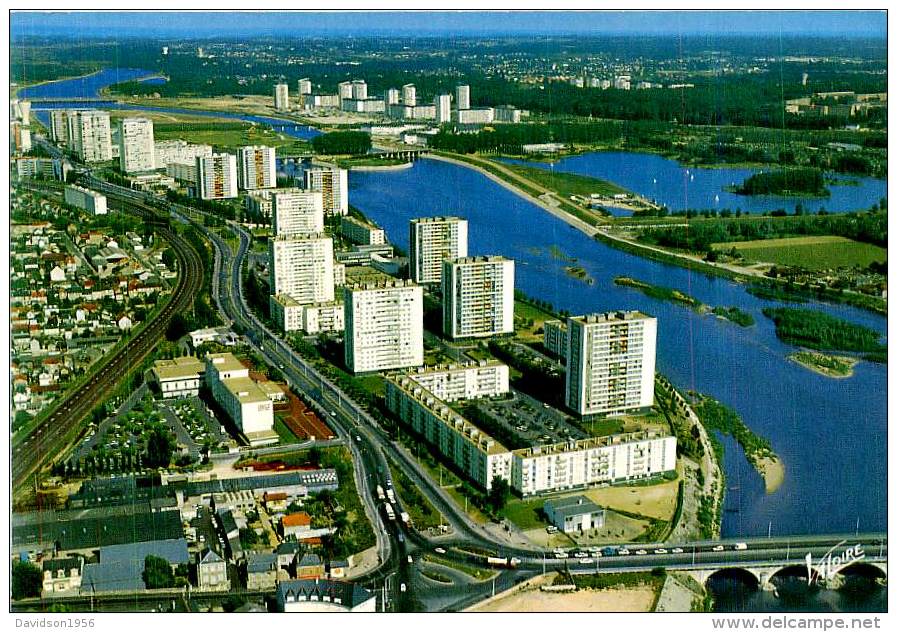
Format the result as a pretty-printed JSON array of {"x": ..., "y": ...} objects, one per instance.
[{"x": 342, "y": 143}]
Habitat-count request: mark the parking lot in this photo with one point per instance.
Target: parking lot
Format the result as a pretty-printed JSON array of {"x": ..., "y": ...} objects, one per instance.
[
  {"x": 194, "y": 426},
  {"x": 531, "y": 420}
]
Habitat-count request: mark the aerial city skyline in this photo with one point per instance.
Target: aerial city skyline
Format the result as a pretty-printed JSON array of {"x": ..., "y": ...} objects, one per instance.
[{"x": 438, "y": 311}]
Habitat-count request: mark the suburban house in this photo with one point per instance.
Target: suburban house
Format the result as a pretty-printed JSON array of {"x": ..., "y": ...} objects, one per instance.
[
  {"x": 211, "y": 571},
  {"x": 309, "y": 566},
  {"x": 261, "y": 571},
  {"x": 62, "y": 574},
  {"x": 295, "y": 524}
]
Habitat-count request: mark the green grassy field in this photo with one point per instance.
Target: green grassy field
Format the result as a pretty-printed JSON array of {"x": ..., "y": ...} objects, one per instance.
[
  {"x": 813, "y": 253},
  {"x": 524, "y": 513},
  {"x": 234, "y": 138},
  {"x": 566, "y": 184}
]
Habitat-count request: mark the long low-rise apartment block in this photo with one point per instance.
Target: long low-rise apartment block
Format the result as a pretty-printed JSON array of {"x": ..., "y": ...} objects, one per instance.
[
  {"x": 529, "y": 471},
  {"x": 85, "y": 199},
  {"x": 592, "y": 461},
  {"x": 487, "y": 378},
  {"x": 361, "y": 232},
  {"x": 312, "y": 318},
  {"x": 480, "y": 457}
]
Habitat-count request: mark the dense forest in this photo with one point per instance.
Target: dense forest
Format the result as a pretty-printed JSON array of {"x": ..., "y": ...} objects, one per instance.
[
  {"x": 340, "y": 143},
  {"x": 785, "y": 182}
]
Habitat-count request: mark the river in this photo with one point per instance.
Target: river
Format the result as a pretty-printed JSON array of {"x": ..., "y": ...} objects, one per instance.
[
  {"x": 89, "y": 87},
  {"x": 681, "y": 187}
]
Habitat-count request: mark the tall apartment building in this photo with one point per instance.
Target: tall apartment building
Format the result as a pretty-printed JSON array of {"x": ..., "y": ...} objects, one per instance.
[
  {"x": 462, "y": 97},
  {"x": 477, "y": 297},
  {"x": 216, "y": 176},
  {"x": 312, "y": 318},
  {"x": 333, "y": 183},
  {"x": 20, "y": 110},
  {"x": 136, "y": 152},
  {"x": 282, "y": 97},
  {"x": 89, "y": 135},
  {"x": 610, "y": 362},
  {"x": 260, "y": 203},
  {"x": 409, "y": 94},
  {"x": 506, "y": 114},
  {"x": 304, "y": 86},
  {"x": 359, "y": 89},
  {"x": 431, "y": 240},
  {"x": 302, "y": 267},
  {"x": 167, "y": 151},
  {"x": 344, "y": 90},
  {"x": 361, "y": 232},
  {"x": 384, "y": 326},
  {"x": 256, "y": 167},
  {"x": 554, "y": 337},
  {"x": 297, "y": 212},
  {"x": 623, "y": 82},
  {"x": 456, "y": 382},
  {"x": 19, "y": 137},
  {"x": 392, "y": 96},
  {"x": 59, "y": 126},
  {"x": 443, "y": 105}
]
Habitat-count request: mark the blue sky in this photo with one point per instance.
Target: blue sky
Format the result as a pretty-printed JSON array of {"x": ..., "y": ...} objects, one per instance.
[{"x": 208, "y": 24}]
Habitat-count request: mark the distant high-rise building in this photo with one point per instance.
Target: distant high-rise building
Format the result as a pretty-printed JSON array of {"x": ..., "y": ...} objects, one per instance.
[
  {"x": 216, "y": 176},
  {"x": 304, "y": 86},
  {"x": 282, "y": 97},
  {"x": 334, "y": 184},
  {"x": 443, "y": 105},
  {"x": 477, "y": 296},
  {"x": 136, "y": 145},
  {"x": 180, "y": 151},
  {"x": 297, "y": 212},
  {"x": 59, "y": 126},
  {"x": 804, "y": 78},
  {"x": 200, "y": 53},
  {"x": 359, "y": 89},
  {"x": 89, "y": 135},
  {"x": 384, "y": 326},
  {"x": 462, "y": 97},
  {"x": 344, "y": 90},
  {"x": 302, "y": 267},
  {"x": 431, "y": 240},
  {"x": 164, "y": 50},
  {"x": 610, "y": 362},
  {"x": 409, "y": 94},
  {"x": 392, "y": 96},
  {"x": 20, "y": 110},
  {"x": 19, "y": 137},
  {"x": 257, "y": 167},
  {"x": 623, "y": 82},
  {"x": 506, "y": 114},
  {"x": 477, "y": 116}
]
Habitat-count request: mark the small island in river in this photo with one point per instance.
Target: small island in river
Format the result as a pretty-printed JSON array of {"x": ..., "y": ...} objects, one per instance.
[{"x": 824, "y": 364}]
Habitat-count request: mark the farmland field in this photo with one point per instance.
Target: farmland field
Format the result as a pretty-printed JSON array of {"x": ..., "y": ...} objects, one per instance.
[{"x": 813, "y": 253}]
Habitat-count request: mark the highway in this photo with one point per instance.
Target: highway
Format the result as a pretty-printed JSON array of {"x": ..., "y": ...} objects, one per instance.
[{"x": 50, "y": 437}]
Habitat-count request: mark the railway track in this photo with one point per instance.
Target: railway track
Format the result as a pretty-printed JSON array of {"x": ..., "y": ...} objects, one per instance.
[{"x": 51, "y": 436}]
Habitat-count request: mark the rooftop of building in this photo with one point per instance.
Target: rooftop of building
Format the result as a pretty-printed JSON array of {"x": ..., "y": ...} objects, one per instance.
[
  {"x": 245, "y": 390},
  {"x": 173, "y": 550},
  {"x": 261, "y": 562},
  {"x": 177, "y": 368},
  {"x": 571, "y": 506},
  {"x": 343, "y": 593},
  {"x": 385, "y": 283},
  {"x": 224, "y": 362},
  {"x": 479, "y": 259},
  {"x": 610, "y": 317},
  {"x": 454, "y": 367},
  {"x": 298, "y": 519},
  {"x": 285, "y": 300},
  {"x": 437, "y": 219},
  {"x": 591, "y": 442},
  {"x": 302, "y": 237}
]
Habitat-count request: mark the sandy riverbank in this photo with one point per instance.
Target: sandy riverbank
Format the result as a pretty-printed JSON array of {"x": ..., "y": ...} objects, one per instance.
[
  {"x": 399, "y": 167},
  {"x": 822, "y": 370},
  {"x": 773, "y": 472}
]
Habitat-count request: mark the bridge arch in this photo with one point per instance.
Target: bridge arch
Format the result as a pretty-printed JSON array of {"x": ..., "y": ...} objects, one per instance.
[
  {"x": 871, "y": 570},
  {"x": 747, "y": 575}
]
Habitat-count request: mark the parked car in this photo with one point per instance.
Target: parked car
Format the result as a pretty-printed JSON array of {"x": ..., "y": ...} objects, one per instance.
[
  {"x": 719, "y": 547},
  {"x": 678, "y": 550},
  {"x": 661, "y": 551},
  {"x": 641, "y": 552},
  {"x": 440, "y": 550}
]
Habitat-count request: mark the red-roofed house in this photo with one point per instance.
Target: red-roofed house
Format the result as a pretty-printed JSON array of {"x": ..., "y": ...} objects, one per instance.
[{"x": 295, "y": 524}]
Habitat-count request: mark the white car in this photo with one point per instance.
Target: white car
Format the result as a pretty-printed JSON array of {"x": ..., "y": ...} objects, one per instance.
[
  {"x": 440, "y": 550},
  {"x": 561, "y": 555},
  {"x": 580, "y": 554},
  {"x": 403, "y": 588},
  {"x": 585, "y": 560},
  {"x": 623, "y": 552},
  {"x": 719, "y": 547},
  {"x": 410, "y": 560},
  {"x": 661, "y": 551},
  {"x": 641, "y": 552},
  {"x": 678, "y": 550}
]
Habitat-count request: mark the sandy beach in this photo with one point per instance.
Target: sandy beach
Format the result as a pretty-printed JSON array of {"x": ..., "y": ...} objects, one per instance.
[
  {"x": 640, "y": 599},
  {"x": 773, "y": 472}
]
